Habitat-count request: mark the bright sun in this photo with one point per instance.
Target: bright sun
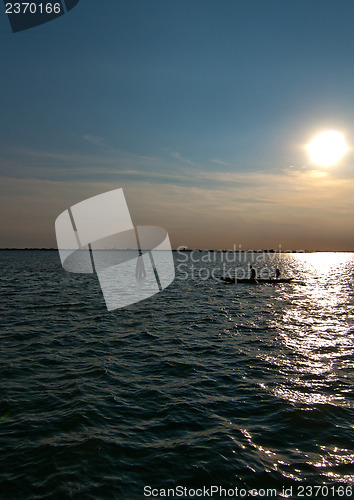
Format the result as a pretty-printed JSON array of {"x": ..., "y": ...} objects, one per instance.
[{"x": 327, "y": 148}]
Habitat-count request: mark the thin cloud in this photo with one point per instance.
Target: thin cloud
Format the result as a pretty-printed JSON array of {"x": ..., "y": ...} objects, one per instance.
[
  {"x": 95, "y": 140},
  {"x": 266, "y": 207},
  {"x": 177, "y": 156},
  {"x": 220, "y": 162}
]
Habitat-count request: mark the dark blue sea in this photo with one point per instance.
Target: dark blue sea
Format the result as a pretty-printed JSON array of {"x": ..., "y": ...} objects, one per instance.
[{"x": 205, "y": 390}]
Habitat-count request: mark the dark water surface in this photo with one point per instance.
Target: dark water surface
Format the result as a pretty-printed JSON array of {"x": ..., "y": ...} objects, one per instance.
[{"x": 203, "y": 384}]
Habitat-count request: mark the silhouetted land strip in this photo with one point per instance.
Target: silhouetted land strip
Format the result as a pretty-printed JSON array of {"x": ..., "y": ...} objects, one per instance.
[{"x": 186, "y": 250}]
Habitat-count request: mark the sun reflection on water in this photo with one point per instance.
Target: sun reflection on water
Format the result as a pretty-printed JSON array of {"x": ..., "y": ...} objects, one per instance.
[
  {"x": 307, "y": 368},
  {"x": 312, "y": 364},
  {"x": 315, "y": 329}
]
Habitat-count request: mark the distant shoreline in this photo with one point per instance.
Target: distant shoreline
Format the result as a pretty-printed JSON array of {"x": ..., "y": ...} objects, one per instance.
[{"x": 188, "y": 250}]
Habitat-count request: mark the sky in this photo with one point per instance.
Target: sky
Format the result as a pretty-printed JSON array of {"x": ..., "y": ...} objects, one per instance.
[{"x": 200, "y": 110}]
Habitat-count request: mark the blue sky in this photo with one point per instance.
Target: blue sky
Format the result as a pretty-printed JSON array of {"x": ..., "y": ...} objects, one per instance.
[{"x": 199, "y": 109}]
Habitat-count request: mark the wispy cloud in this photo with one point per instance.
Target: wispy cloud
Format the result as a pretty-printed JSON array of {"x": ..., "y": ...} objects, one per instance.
[
  {"x": 95, "y": 140},
  {"x": 260, "y": 207},
  {"x": 186, "y": 161},
  {"x": 196, "y": 201},
  {"x": 220, "y": 162}
]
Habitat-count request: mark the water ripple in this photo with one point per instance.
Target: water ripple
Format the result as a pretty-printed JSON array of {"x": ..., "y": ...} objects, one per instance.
[{"x": 203, "y": 384}]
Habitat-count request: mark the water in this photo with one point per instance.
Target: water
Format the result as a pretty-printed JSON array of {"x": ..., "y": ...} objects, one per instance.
[{"x": 238, "y": 386}]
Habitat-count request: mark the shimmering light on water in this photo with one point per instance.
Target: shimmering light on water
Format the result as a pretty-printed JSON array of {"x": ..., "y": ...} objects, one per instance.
[{"x": 315, "y": 327}]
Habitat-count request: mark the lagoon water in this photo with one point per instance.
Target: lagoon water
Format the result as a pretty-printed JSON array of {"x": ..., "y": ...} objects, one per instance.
[{"x": 204, "y": 384}]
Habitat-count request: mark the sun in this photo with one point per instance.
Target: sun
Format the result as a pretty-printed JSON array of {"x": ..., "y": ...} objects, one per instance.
[{"x": 327, "y": 149}]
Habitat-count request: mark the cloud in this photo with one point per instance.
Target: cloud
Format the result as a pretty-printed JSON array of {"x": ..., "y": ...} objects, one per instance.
[
  {"x": 54, "y": 165},
  {"x": 220, "y": 162},
  {"x": 197, "y": 208},
  {"x": 194, "y": 204},
  {"x": 186, "y": 161},
  {"x": 95, "y": 140}
]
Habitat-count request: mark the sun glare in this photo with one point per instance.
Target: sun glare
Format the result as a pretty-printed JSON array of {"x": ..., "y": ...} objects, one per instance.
[{"x": 327, "y": 149}]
